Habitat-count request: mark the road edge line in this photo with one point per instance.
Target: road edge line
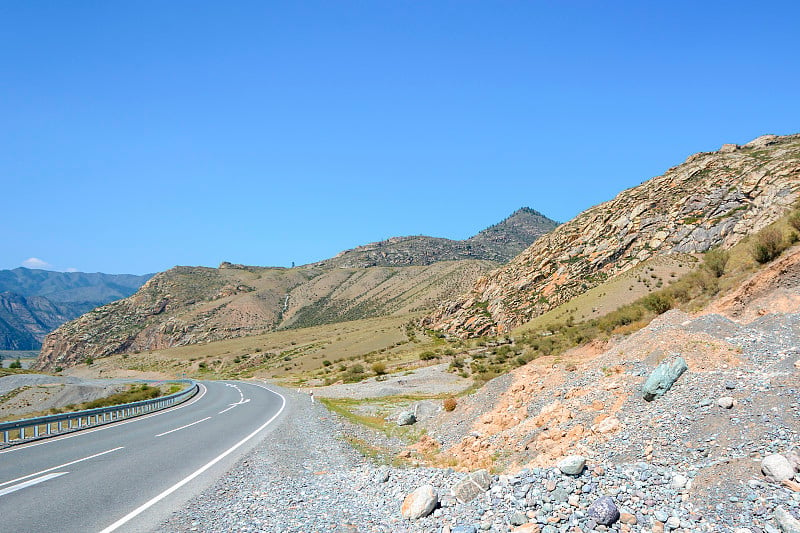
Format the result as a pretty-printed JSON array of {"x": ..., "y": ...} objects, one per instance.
[{"x": 133, "y": 514}]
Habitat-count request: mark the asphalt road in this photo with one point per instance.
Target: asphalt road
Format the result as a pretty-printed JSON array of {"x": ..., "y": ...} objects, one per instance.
[{"x": 130, "y": 475}]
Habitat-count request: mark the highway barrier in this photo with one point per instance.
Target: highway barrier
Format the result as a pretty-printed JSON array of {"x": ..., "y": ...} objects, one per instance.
[{"x": 18, "y": 431}]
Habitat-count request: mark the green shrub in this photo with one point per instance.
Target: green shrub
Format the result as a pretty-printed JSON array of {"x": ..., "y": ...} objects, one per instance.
[
  {"x": 716, "y": 260},
  {"x": 15, "y": 364},
  {"x": 657, "y": 302},
  {"x": 427, "y": 356},
  {"x": 89, "y": 361},
  {"x": 769, "y": 243},
  {"x": 794, "y": 220}
]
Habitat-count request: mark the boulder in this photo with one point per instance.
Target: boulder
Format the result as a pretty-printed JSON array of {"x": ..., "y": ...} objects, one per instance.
[
  {"x": 604, "y": 511},
  {"x": 662, "y": 378},
  {"x": 406, "y": 418},
  {"x": 472, "y": 486},
  {"x": 419, "y": 503},
  {"x": 572, "y": 465},
  {"x": 777, "y": 468}
]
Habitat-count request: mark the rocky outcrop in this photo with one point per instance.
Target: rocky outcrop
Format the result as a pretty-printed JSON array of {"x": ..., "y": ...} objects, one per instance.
[
  {"x": 711, "y": 199},
  {"x": 498, "y": 243}
]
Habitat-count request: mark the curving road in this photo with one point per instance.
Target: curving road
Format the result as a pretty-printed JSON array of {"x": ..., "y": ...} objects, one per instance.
[{"x": 130, "y": 475}]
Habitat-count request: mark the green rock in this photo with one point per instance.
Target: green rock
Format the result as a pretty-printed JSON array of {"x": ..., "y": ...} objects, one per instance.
[{"x": 662, "y": 378}]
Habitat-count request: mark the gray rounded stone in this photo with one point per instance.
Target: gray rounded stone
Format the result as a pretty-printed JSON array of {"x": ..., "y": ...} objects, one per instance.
[
  {"x": 604, "y": 511},
  {"x": 572, "y": 465},
  {"x": 777, "y": 467}
]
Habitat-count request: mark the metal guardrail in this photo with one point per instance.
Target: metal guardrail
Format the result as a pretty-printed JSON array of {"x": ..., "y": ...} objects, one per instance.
[{"x": 18, "y": 431}]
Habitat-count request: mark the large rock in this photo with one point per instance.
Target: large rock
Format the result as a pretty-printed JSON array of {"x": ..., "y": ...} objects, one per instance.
[
  {"x": 777, "y": 467},
  {"x": 604, "y": 511},
  {"x": 472, "y": 486},
  {"x": 572, "y": 465},
  {"x": 663, "y": 378},
  {"x": 406, "y": 418},
  {"x": 419, "y": 503},
  {"x": 786, "y": 521}
]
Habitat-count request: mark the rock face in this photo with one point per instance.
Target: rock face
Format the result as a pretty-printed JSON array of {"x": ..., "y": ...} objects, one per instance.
[
  {"x": 662, "y": 378},
  {"x": 711, "y": 199},
  {"x": 499, "y": 243},
  {"x": 419, "y": 503}
]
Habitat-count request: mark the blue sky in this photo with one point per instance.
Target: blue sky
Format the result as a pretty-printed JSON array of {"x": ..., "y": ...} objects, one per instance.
[{"x": 135, "y": 136}]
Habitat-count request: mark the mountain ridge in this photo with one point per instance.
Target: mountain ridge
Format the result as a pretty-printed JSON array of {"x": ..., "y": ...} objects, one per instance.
[
  {"x": 189, "y": 305},
  {"x": 712, "y": 199},
  {"x": 499, "y": 242},
  {"x": 34, "y": 302}
]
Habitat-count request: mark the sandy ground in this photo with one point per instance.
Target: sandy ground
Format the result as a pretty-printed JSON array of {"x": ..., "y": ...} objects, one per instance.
[{"x": 428, "y": 380}]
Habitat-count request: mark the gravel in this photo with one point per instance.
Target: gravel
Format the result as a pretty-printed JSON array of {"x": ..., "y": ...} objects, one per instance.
[{"x": 680, "y": 463}]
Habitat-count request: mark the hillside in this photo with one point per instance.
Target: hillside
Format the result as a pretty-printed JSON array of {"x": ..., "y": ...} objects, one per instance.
[
  {"x": 34, "y": 302},
  {"x": 714, "y": 198},
  {"x": 499, "y": 243},
  {"x": 188, "y": 305},
  {"x": 191, "y": 305}
]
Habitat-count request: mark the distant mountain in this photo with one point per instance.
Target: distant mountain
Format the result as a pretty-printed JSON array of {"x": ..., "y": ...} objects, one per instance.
[
  {"x": 35, "y": 302},
  {"x": 499, "y": 243}
]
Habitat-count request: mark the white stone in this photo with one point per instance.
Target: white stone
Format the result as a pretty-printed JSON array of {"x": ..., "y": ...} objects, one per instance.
[
  {"x": 777, "y": 467},
  {"x": 679, "y": 481},
  {"x": 572, "y": 465},
  {"x": 726, "y": 402},
  {"x": 419, "y": 503}
]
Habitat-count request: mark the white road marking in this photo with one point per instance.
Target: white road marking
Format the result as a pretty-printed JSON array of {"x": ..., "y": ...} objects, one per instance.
[
  {"x": 61, "y": 466},
  {"x": 241, "y": 401},
  {"x": 31, "y": 482},
  {"x": 182, "y": 427},
  {"x": 202, "y": 393},
  {"x": 184, "y": 481}
]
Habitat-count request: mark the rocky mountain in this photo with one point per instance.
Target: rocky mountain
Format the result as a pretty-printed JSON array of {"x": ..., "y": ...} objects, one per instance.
[
  {"x": 499, "y": 243},
  {"x": 187, "y": 305},
  {"x": 34, "y": 302},
  {"x": 713, "y": 198},
  {"x": 190, "y": 305}
]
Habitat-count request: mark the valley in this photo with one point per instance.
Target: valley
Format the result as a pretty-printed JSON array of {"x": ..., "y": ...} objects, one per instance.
[{"x": 462, "y": 394}]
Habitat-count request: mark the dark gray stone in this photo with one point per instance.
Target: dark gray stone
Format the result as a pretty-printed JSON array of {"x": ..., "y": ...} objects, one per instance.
[{"x": 604, "y": 511}]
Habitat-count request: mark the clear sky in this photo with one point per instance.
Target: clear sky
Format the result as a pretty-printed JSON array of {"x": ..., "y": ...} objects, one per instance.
[{"x": 135, "y": 136}]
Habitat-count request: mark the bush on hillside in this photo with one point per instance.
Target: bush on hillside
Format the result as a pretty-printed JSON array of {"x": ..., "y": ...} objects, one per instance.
[
  {"x": 716, "y": 260},
  {"x": 658, "y": 302},
  {"x": 769, "y": 243}
]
